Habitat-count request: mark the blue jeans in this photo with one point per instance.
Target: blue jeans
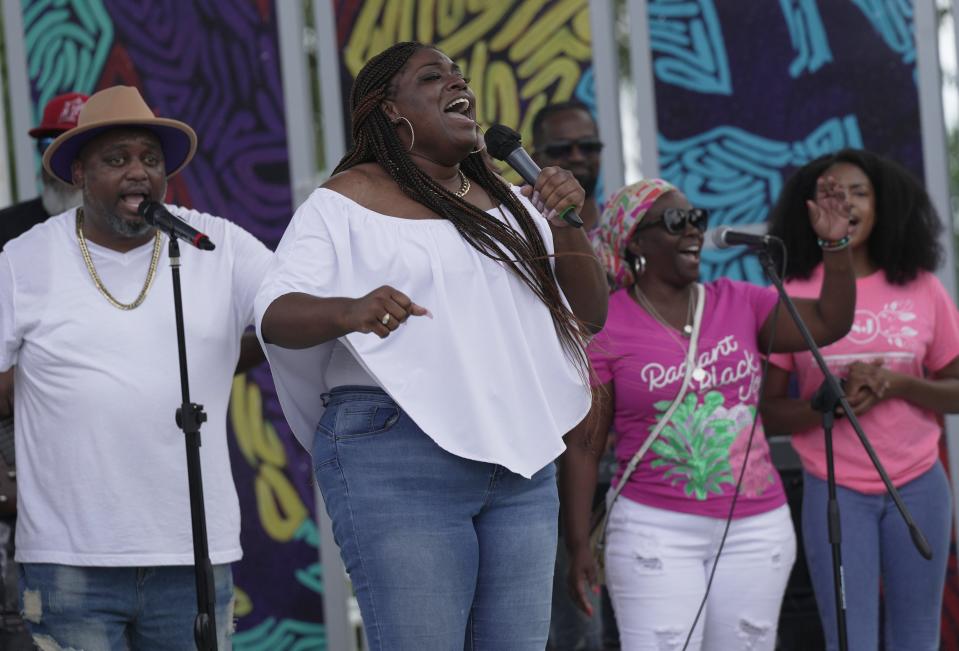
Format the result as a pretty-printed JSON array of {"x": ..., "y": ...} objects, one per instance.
[
  {"x": 876, "y": 544},
  {"x": 443, "y": 552},
  {"x": 118, "y": 608}
]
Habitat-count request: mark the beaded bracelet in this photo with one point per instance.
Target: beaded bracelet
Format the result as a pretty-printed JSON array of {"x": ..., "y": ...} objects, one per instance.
[{"x": 833, "y": 245}]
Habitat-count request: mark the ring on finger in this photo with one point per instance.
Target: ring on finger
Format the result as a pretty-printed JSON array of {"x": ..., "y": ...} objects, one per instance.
[{"x": 386, "y": 318}]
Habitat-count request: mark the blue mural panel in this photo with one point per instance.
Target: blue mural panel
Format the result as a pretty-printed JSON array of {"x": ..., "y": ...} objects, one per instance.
[{"x": 746, "y": 92}]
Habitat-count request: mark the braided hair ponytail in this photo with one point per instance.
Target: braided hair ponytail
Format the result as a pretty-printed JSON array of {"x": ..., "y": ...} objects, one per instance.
[{"x": 523, "y": 252}]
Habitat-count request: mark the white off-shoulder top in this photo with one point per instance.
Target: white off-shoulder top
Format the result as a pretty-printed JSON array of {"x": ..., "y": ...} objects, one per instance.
[{"x": 485, "y": 375}]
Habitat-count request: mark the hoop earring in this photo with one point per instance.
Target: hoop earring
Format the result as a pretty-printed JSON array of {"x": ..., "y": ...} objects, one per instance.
[
  {"x": 639, "y": 266},
  {"x": 412, "y": 133},
  {"x": 476, "y": 151}
]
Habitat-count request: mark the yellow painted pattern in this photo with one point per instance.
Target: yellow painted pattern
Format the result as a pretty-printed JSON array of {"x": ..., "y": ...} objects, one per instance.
[{"x": 519, "y": 54}]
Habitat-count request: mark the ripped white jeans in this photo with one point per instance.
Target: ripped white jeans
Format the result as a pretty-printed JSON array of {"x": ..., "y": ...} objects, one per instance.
[{"x": 657, "y": 565}]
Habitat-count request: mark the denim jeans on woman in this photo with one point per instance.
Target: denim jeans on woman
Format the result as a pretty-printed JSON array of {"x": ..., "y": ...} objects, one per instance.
[
  {"x": 443, "y": 552},
  {"x": 876, "y": 542},
  {"x": 119, "y": 608}
]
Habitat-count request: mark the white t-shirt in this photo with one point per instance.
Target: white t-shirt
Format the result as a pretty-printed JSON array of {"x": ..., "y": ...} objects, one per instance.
[
  {"x": 101, "y": 463},
  {"x": 485, "y": 376}
]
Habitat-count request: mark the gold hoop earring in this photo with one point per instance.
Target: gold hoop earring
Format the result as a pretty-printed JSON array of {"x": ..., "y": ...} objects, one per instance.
[
  {"x": 412, "y": 133},
  {"x": 476, "y": 151},
  {"x": 639, "y": 266}
]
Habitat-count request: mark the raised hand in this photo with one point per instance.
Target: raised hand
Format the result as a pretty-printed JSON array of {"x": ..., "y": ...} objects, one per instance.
[
  {"x": 381, "y": 312},
  {"x": 829, "y": 213}
]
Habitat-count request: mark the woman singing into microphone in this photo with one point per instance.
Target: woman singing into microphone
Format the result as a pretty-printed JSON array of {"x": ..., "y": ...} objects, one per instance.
[{"x": 441, "y": 320}]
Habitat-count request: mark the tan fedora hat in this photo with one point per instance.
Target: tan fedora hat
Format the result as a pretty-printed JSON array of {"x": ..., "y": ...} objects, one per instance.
[{"x": 119, "y": 106}]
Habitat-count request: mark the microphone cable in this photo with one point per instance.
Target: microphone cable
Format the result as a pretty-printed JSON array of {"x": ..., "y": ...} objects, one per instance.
[{"x": 742, "y": 471}]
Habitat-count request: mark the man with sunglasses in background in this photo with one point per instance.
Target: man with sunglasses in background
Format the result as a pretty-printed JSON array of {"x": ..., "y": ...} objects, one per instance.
[
  {"x": 59, "y": 115},
  {"x": 565, "y": 135}
]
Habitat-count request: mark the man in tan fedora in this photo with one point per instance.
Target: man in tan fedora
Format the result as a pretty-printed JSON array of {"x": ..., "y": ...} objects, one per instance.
[{"x": 86, "y": 316}]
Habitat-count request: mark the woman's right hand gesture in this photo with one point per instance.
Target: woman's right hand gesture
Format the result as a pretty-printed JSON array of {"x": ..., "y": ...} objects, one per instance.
[
  {"x": 381, "y": 312},
  {"x": 829, "y": 212},
  {"x": 582, "y": 576}
]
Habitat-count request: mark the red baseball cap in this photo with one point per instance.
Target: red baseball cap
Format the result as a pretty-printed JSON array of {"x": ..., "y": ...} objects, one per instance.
[{"x": 59, "y": 115}]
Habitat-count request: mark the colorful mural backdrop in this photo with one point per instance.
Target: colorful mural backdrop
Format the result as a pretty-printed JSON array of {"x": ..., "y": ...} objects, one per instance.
[
  {"x": 214, "y": 65},
  {"x": 746, "y": 92},
  {"x": 519, "y": 54}
]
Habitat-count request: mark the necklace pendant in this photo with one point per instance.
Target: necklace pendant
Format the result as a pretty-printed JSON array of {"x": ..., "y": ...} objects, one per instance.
[{"x": 688, "y": 330}]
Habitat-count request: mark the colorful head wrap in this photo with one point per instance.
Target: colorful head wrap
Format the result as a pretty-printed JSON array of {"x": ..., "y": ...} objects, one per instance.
[{"x": 622, "y": 214}]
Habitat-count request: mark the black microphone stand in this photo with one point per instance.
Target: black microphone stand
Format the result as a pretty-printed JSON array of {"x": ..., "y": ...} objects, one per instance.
[
  {"x": 189, "y": 417},
  {"x": 827, "y": 398}
]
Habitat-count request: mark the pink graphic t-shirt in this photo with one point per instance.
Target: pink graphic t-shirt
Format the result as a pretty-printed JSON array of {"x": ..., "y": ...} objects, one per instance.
[
  {"x": 695, "y": 462},
  {"x": 912, "y": 328}
]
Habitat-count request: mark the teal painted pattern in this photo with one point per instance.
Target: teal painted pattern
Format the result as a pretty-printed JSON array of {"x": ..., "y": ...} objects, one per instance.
[
  {"x": 737, "y": 175},
  {"x": 282, "y": 635},
  {"x": 687, "y": 44},
  {"x": 67, "y": 44},
  {"x": 893, "y": 20},
  {"x": 808, "y": 36}
]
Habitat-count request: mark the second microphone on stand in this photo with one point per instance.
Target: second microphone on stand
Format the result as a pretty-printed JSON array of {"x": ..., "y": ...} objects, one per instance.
[{"x": 725, "y": 237}]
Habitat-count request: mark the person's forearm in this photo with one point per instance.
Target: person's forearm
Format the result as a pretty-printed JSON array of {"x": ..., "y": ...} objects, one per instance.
[
  {"x": 581, "y": 277},
  {"x": 300, "y": 321},
  {"x": 577, "y": 484},
  {"x": 837, "y": 298},
  {"x": 938, "y": 395},
  {"x": 788, "y": 416}
]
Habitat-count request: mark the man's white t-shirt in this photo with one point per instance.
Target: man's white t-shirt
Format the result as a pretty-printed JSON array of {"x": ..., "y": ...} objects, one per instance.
[{"x": 101, "y": 463}]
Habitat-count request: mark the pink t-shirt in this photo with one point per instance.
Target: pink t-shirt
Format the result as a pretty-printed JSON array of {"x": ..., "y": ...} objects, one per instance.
[
  {"x": 695, "y": 462},
  {"x": 910, "y": 328}
]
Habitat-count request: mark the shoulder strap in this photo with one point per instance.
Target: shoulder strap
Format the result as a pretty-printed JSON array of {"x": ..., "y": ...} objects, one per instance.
[{"x": 654, "y": 434}]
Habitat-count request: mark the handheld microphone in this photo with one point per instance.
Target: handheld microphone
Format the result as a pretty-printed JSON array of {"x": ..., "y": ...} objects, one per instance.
[
  {"x": 156, "y": 215},
  {"x": 725, "y": 237},
  {"x": 505, "y": 144}
]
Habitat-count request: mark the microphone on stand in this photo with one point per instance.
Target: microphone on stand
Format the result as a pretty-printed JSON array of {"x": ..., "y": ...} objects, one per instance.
[
  {"x": 725, "y": 237},
  {"x": 156, "y": 215},
  {"x": 504, "y": 144}
]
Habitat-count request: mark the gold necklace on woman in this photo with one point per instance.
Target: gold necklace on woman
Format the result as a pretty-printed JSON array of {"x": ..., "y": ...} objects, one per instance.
[
  {"x": 698, "y": 373},
  {"x": 653, "y": 312},
  {"x": 464, "y": 185},
  {"x": 85, "y": 252}
]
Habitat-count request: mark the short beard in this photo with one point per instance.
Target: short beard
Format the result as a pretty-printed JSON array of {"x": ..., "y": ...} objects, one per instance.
[
  {"x": 126, "y": 228},
  {"x": 57, "y": 197},
  {"x": 117, "y": 224}
]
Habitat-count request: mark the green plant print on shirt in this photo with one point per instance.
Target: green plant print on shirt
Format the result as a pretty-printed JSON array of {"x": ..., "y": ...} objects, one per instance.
[{"x": 694, "y": 445}]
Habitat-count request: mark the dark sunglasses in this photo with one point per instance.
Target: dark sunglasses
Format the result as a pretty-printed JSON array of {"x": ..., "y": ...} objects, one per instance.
[
  {"x": 675, "y": 219},
  {"x": 564, "y": 148},
  {"x": 43, "y": 143}
]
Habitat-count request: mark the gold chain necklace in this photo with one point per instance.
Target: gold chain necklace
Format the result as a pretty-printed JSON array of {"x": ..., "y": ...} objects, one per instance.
[
  {"x": 85, "y": 252},
  {"x": 698, "y": 373},
  {"x": 653, "y": 312},
  {"x": 464, "y": 185}
]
